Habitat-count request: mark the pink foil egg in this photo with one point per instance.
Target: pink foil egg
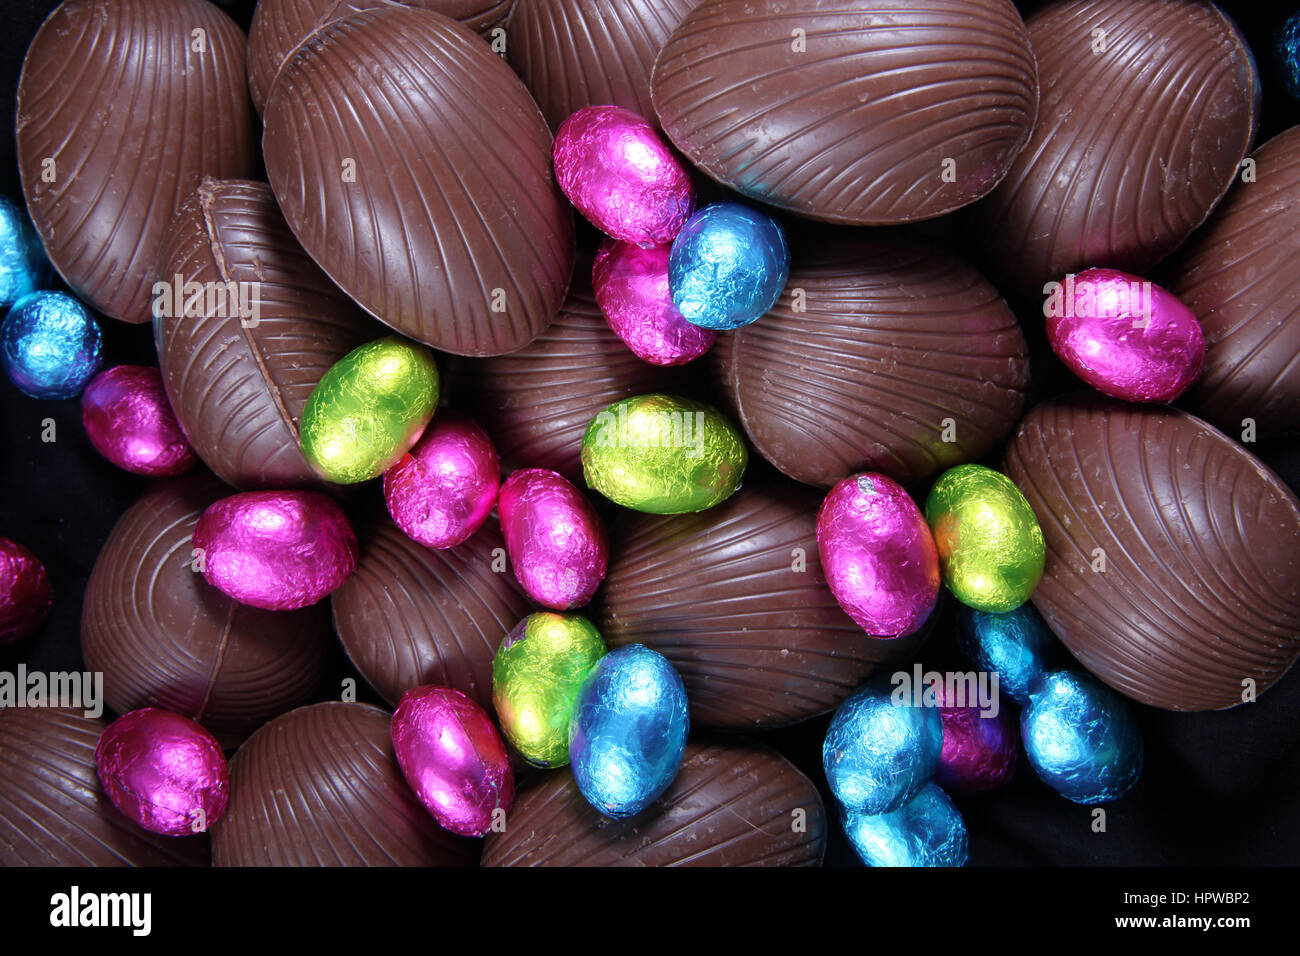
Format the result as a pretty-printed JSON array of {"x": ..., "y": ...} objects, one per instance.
[
  {"x": 621, "y": 174},
  {"x": 130, "y": 422},
  {"x": 1124, "y": 336},
  {"x": 631, "y": 286},
  {"x": 555, "y": 540},
  {"x": 25, "y": 596},
  {"x": 453, "y": 757},
  {"x": 278, "y": 550},
  {"x": 878, "y": 555},
  {"x": 445, "y": 486},
  {"x": 979, "y": 744},
  {"x": 163, "y": 771}
]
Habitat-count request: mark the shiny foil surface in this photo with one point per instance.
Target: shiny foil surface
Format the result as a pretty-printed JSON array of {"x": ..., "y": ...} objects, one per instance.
[
  {"x": 1081, "y": 737},
  {"x": 991, "y": 549},
  {"x": 1126, "y": 337},
  {"x": 23, "y": 266},
  {"x": 556, "y": 542},
  {"x": 728, "y": 266},
  {"x": 979, "y": 746},
  {"x": 1016, "y": 645},
  {"x": 443, "y": 489},
  {"x": 621, "y": 174},
  {"x": 878, "y": 555},
  {"x": 631, "y": 287},
  {"x": 277, "y": 550},
  {"x": 369, "y": 409},
  {"x": 164, "y": 771},
  {"x": 878, "y": 754},
  {"x": 128, "y": 419},
  {"x": 629, "y": 730},
  {"x": 453, "y": 758},
  {"x": 25, "y": 595},
  {"x": 536, "y": 675},
  {"x": 50, "y": 345},
  {"x": 663, "y": 454},
  {"x": 927, "y": 831}
]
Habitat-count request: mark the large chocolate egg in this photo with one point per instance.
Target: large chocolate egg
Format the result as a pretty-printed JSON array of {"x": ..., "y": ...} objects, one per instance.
[
  {"x": 246, "y": 325},
  {"x": 1239, "y": 276},
  {"x": 892, "y": 356},
  {"x": 734, "y": 803},
  {"x": 736, "y": 598},
  {"x": 122, "y": 108},
  {"x": 865, "y": 112},
  {"x": 1147, "y": 107},
  {"x": 414, "y": 167},
  {"x": 164, "y": 637},
  {"x": 1173, "y": 554},
  {"x": 321, "y": 787}
]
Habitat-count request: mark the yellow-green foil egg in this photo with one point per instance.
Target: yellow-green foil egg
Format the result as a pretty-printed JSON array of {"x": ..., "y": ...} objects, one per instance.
[
  {"x": 991, "y": 549},
  {"x": 663, "y": 454},
  {"x": 369, "y": 409},
  {"x": 536, "y": 675}
]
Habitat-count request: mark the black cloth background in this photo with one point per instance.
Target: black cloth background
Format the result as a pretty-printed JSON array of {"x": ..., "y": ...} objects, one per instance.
[{"x": 1218, "y": 788}]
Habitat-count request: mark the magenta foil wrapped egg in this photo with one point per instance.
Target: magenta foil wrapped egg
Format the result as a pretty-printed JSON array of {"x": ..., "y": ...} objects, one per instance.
[
  {"x": 25, "y": 595},
  {"x": 631, "y": 287},
  {"x": 979, "y": 742},
  {"x": 445, "y": 486},
  {"x": 878, "y": 555},
  {"x": 130, "y": 422},
  {"x": 164, "y": 771},
  {"x": 621, "y": 174},
  {"x": 454, "y": 759},
  {"x": 278, "y": 550},
  {"x": 1124, "y": 336},
  {"x": 555, "y": 540}
]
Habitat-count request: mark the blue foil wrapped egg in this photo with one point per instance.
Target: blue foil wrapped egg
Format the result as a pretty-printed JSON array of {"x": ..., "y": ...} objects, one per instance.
[
  {"x": 1287, "y": 47},
  {"x": 727, "y": 266},
  {"x": 1081, "y": 738},
  {"x": 1016, "y": 645},
  {"x": 50, "y": 345},
  {"x": 878, "y": 752},
  {"x": 23, "y": 266},
  {"x": 926, "y": 831},
  {"x": 628, "y": 732}
]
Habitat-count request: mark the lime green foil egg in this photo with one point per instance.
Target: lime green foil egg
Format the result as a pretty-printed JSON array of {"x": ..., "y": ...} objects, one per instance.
[
  {"x": 369, "y": 409},
  {"x": 536, "y": 676},
  {"x": 663, "y": 455},
  {"x": 991, "y": 549}
]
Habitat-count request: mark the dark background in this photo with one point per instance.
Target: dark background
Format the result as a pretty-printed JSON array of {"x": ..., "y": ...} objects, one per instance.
[{"x": 1218, "y": 788}]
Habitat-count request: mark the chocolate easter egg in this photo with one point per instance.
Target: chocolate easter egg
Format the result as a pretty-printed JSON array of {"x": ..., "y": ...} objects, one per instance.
[
  {"x": 1146, "y": 110},
  {"x": 413, "y": 166},
  {"x": 1173, "y": 554},
  {"x": 870, "y": 112},
  {"x": 879, "y": 356},
  {"x": 246, "y": 325},
  {"x": 122, "y": 108}
]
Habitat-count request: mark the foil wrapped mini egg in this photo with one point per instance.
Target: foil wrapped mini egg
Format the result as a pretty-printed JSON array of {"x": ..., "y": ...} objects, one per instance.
[
  {"x": 163, "y": 771},
  {"x": 277, "y": 550},
  {"x": 979, "y": 745},
  {"x": 536, "y": 675},
  {"x": 453, "y": 758},
  {"x": 25, "y": 596},
  {"x": 663, "y": 454},
  {"x": 631, "y": 287},
  {"x": 369, "y": 409},
  {"x": 1125, "y": 336},
  {"x": 879, "y": 752},
  {"x": 878, "y": 555},
  {"x": 628, "y": 732},
  {"x": 621, "y": 174},
  {"x": 23, "y": 265},
  {"x": 50, "y": 345},
  {"x": 728, "y": 266},
  {"x": 128, "y": 419},
  {"x": 555, "y": 540},
  {"x": 991, "y": 549},
  {"x": 1017, "y": 645},
  {"x": 1081, "y": 738},
  {"x": 443, "y": 489},
  {"x": 928, "y": 830}
]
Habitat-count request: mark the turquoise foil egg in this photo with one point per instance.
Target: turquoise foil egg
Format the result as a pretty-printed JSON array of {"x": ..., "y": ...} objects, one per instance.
[{"x": 926, "y": 831}]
